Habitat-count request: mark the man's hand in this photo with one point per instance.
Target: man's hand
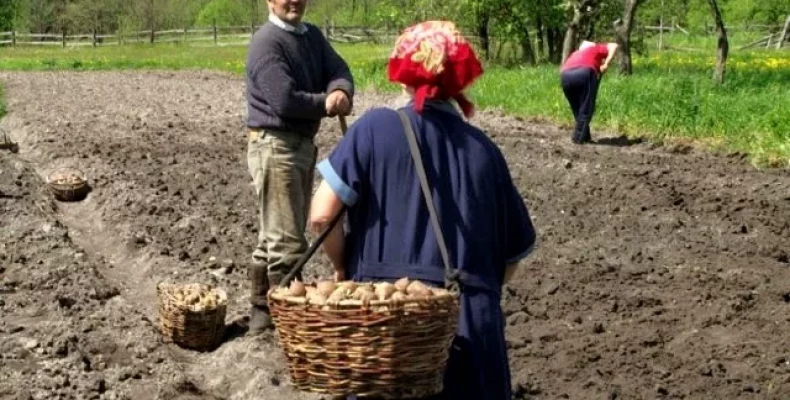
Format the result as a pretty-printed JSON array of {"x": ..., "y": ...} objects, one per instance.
[
  {"x": 604, "y": 67},
  {"x": 337, "y": 103}
]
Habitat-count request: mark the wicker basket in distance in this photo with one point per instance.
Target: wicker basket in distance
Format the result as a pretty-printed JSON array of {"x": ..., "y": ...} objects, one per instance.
[
  {"x": 192, "y": 315},
  {"x": 394, "y": 348},
  {"x": 68, "y": 184}
]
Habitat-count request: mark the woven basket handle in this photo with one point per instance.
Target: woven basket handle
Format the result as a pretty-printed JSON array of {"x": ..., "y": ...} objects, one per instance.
[
  {"x": 451, "y": 275},
  {"x": 313, "y": 247}
]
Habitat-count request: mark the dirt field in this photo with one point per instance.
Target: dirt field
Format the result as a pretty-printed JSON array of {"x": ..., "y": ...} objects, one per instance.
[{"x": 661, "y": 272}]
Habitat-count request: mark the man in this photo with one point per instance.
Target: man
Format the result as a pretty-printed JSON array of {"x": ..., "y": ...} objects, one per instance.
[
  {"x": 294, "y": 79},
  {"x": 580, "y": 76}
]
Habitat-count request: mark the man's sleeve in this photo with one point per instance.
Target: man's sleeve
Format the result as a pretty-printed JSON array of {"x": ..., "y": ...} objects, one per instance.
[
  {"x": 273, "y": 77},
  {"x": 346, "y": 170}
]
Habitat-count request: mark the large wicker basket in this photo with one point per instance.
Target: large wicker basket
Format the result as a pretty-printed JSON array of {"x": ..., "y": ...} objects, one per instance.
[
  {"x": 68, "y": 184},
  {"x": 385, "y": 349},
  {"x": 195, "y": 327}
]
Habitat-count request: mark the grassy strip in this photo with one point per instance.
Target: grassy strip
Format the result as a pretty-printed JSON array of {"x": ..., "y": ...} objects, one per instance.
[{"x": 670, "y": 96}]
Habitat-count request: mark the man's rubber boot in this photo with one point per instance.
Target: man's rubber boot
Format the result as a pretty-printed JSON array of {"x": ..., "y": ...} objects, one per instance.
[{"x": 260, "y": 318}]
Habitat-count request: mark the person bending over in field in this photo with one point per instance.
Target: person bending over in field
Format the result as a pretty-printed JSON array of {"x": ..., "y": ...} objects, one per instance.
[
  {"x": 581, "y": 75},
  {"x": 483, "y": 217}
]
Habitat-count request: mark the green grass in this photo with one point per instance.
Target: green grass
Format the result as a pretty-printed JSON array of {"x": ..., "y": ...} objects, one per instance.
[{"x": 670, "y": 96}]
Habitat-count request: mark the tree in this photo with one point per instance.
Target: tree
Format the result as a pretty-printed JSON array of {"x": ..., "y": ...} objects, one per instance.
[
  {"x": 8, "y": 12},
  {"x": 582, "y": 12},
  {"x": 622, "y": 28},
  {"x": 224, "y": 13},
  {"x": 722, "y": 45}
]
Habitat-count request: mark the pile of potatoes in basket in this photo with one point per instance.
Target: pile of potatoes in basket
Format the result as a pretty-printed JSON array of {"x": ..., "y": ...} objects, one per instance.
[
  {"x": 328, "y": 293},
  {"x": 66, "y": 179},
  {"x": 197, "y": 297}
]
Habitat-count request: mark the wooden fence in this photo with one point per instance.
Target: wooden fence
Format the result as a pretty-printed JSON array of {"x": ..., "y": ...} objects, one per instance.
[
  {"x": 240, "y": 35},
  {"x": 778, "y": 39},
  {"x": 216, "y": 35}
]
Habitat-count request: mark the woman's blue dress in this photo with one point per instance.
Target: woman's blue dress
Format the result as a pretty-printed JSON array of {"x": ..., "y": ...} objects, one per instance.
[{"x": 484, "y": 220}]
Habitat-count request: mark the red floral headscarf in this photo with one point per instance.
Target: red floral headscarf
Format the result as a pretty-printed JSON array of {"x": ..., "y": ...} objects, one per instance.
[{"x": 434, "y": 59}]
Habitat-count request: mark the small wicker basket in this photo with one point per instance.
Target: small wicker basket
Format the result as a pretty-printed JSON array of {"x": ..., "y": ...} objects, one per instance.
[
  {"x": 68, "y": 184},
  {"x": 387, "y": 349},
  {"x": 196, "y": 326}
]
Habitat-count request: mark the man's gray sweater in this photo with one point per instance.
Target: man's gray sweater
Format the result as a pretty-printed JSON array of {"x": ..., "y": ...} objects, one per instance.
[{"x": 288, "y": 78}]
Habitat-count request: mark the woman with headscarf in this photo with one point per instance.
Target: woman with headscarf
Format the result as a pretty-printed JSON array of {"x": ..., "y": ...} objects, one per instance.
[
  {"x": 485, "y": 223},
  {"x": 580, "y": 75}
]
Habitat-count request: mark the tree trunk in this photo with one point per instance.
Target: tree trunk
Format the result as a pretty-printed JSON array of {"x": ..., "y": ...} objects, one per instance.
[
  {"x": 723, "y": 46},
  {"x": 482, "y": 31},
  {"x": 541, "y": 44},
  {"x": 555, "y": 45},
  {"x": 570, "y": 39},
  {"x": 622, "y": 29},
  {"x": 581, "y": 14},
  {"x": 527, "y": 50}
]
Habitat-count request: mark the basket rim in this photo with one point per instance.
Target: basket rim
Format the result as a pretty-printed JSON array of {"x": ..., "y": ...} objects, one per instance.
[
  {"x": 302, "y": 300},
  {"x": 80, "y": 174}
]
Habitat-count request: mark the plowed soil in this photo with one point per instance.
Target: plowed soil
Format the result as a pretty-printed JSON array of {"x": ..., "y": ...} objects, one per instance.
[{"x": 661, "y": 271}]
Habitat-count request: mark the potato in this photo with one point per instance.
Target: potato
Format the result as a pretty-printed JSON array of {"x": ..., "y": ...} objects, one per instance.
[
  {"x": 297, "y": 288},
  {"x": 325, "y": 288},
  {"x": 357, "y": 294},
  {"x": 385, "y": 290},
  {"x": 209, "y": 302},
  {"x": 193, "y": 298},
  {"x": 398, "y": 296},
  {"x": 367, "y": 297},
  {"x": 418, "y": 288},
  {"x": 338, "y": 295},
  {"x": 316, "y": 298},
  {"x": 348, "y": 286},
  {"x": 401, "y": 284},
  {"x": 367, "y": 287}
]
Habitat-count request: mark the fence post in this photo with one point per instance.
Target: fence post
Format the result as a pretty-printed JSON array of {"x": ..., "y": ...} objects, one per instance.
[
  {"x": 326, "y": 27},
  {"x": 785, "y": 31},
  {"x": 13, "y": 38},
  {"x": 64, "y": 38},
  {"x": 153, "y": 35},
  {"x": 94, "y": 38},
  {"x": 186, "y": 30},
  {"x": 215, "y": 32}
]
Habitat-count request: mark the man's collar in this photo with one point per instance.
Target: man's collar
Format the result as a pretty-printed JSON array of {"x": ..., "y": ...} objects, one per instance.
[{"x": 300, "y": 29}]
